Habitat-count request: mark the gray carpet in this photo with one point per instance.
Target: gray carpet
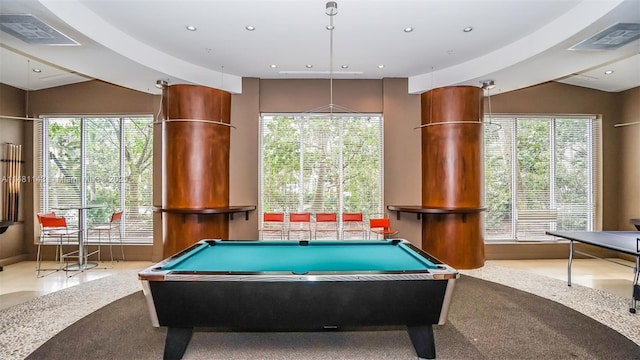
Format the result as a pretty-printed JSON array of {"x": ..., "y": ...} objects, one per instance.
[{"x": 486, "y": 321}]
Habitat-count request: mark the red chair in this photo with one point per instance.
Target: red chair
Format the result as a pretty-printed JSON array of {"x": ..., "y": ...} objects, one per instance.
[
  {"x": 326, "y": 223},
  {"x": 272, "y": 223},
  {"x": 114, "y": 224},
  {"x": 54, "y": 227},
  {"x": 299, "y": 223},
  {"x": 353, "y": 223},
  {"x": 382, "y": 226}
]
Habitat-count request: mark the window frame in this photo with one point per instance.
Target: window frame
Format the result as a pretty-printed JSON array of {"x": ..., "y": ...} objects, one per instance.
[
  {"x": 594, "y": 173},
  {"x": 300, "y": 117},
  {"x": 41, "y": 165}
]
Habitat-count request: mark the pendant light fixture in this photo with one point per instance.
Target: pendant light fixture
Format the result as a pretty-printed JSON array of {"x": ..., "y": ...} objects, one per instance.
[
  {"x": 331, "y": 9},
  {"x": 488, "y": 85}
]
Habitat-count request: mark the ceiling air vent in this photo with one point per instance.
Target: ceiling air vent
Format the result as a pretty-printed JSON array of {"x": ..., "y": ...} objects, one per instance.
[
  {"x": 31, "y": 30},
  {"x": 611, "y": 38}
]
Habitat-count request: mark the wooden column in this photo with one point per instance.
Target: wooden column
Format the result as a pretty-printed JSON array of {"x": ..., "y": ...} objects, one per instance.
[
  {"x": 452, "y": 175},
  {"x": 195, "y": 164}
]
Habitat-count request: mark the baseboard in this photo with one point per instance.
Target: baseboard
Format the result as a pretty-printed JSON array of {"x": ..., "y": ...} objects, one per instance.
[{"x": 14, "y": 259}]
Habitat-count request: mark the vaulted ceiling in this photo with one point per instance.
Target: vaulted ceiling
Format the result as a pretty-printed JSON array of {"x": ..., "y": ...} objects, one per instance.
[{"x": 134, "y": 43}]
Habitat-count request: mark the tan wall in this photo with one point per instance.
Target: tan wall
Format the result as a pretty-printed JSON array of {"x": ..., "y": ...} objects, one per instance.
[
  {"x": 243, "y": 158},
  {"x": 402, "y": 159},
  {"x": 557, "y": 98},
  {"x": 401, "y": 114},
  {"x": 90, "y": 98},
  {"x": 12, "y": 102},
  {"x": 629, "y": 196}
]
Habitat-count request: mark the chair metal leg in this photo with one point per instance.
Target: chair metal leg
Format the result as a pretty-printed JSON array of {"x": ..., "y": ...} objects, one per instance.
[
  {"x": 58, "y": 258},
  {"x": 99, "y": 245},
  {"x": 110, "y": 246},
  {"x": 121, "y": 245}
]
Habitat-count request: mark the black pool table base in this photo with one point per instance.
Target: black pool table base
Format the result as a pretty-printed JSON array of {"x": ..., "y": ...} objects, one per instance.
[{"x": 178, "y": 339}]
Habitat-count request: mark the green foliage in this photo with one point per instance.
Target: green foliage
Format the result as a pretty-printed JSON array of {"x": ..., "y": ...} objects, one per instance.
[
  {"x": 549, "y": 167},
  {"x": 315, "y": 163},
  {"x": 103, "y": 181}
]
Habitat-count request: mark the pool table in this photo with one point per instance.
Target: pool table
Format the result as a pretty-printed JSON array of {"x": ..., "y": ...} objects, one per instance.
[{"x": 253, "y": 285}]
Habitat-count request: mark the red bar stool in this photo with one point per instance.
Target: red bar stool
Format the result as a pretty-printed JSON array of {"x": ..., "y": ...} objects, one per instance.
[
  {"x": 272, "y": 223},
  {"x": 382, "y": 226},
  {"x": 299, "y": 223},
  {"x": 326, "y": 223}
]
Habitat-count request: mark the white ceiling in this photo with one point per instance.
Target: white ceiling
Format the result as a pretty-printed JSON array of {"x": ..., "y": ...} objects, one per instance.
[{"x": 133, "y": 43}]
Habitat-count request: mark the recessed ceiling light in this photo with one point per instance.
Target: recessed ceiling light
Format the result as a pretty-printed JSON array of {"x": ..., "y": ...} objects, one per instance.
[
  {"x": 408, "y": 29},
  {"x": 36, "y": 70},
  {"x": 191, "y": 28},
  {"x": 468, "y": 29},
  {"x": 250, "y": 28},
  {"x": 380, "y": 66},
  {"x": 273, "y": 66},
  {"x": 344, "y": 66},
  {"x": 608, "y": 72},
  {"x": 308, "y": 66}
]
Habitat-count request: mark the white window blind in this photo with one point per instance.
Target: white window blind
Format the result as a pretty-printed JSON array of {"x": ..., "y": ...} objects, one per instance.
[
  {"x": 99, "y": 160},
  {"x": 541, "y": 173},
  {"x": 321, "y": 163}
]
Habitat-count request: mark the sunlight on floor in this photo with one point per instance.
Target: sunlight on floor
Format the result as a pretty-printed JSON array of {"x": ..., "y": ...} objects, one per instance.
[
  {"x": 19, "y": 283},
  {"x": 594, "y": 273}
]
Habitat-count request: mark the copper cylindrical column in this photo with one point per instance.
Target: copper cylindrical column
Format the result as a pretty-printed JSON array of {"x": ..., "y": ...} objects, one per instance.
[
  {"x": 452, "y": 175},
  {"x": 195, "y": 154}
]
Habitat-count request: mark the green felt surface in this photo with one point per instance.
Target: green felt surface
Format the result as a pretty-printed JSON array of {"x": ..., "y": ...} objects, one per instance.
[{"x": 290, "y": 256}]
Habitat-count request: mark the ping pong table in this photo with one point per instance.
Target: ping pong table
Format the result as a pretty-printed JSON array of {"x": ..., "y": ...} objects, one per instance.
[{"x": 627, "y": 242}]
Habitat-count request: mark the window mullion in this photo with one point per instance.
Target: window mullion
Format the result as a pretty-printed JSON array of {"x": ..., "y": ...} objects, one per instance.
[
  {"x": 121, "y": 182},
  {"x": 514, "y": 179},
  {"x": 552, "y": 169}
]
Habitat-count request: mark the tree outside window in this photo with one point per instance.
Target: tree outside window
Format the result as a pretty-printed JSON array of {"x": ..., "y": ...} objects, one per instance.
[
  {"x": 321, "y": 163},
  {"x": 100, "y": 160}
]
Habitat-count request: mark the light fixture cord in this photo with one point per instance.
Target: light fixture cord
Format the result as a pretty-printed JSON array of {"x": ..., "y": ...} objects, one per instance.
[{"x": 489, "y": 101}]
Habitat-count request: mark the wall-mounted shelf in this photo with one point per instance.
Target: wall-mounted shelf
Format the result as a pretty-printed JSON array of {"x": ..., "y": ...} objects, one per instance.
[
  {"x": 419, "y": 210},
  {"x": 230, "y": 210}
]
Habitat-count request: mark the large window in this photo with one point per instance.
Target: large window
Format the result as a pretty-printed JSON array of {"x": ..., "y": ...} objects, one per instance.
[
  {"x": 321, "y": 163},
  {"x": 99, "y": 160},
  {"x": 541, "y": 173}
]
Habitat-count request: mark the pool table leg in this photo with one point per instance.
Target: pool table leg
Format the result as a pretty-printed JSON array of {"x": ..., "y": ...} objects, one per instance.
[
  {"x": 176, "y": 342},
  {"x": 423, "y": 342}
]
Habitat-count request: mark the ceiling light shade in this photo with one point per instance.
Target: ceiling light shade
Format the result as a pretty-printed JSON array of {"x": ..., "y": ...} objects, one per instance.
[
  {"x": 161, "y": 84},
  {"x": 488, "y": 84},
  {"x": 331, "y": 8}
]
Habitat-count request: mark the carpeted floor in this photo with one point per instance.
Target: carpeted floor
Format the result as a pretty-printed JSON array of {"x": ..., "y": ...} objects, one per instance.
[{"x": 486, "y": 321}]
